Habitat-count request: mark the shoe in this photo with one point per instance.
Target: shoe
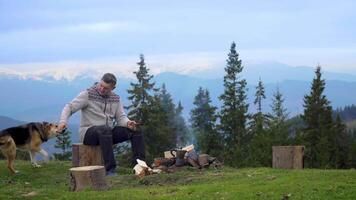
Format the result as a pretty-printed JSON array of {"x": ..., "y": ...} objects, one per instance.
[{"x": 111, "y": 172}]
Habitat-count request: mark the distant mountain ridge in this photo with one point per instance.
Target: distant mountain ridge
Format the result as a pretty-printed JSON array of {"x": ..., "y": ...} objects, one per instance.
[
  {"x": 6, "y": 122},
  {"x": 270, "y": 72},
  {"x": 43, "y": 100},
  {"x": 30, "y": 100}
]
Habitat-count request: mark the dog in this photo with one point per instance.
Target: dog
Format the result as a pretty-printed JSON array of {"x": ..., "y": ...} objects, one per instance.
[{"x": 28, "y": 137}]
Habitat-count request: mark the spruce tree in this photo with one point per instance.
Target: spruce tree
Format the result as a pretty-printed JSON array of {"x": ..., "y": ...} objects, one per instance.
[
  {"x": 169, "y": 108},
  {"x": 203, "y": 121},
  {"x": 141, "y": 97},
  {"x": 140, "y": 93},
  {"x": 259, "y": 118},
  {"x": 273, "y": 131},
  {"x": 182, "y": 131},
  {"x": 260, "y": 142},
  {"x": 63, "y": 142},
  {"x": 167, "y": 102},
  {"x": 318, "y": 120},
  {"x": 341, "y": 141},
  {"x": 352, "y": 132},
  {"x": 278, "y": 127},
  {"x": 159, "y": 132},
  {"x": 233, "y": 115}
]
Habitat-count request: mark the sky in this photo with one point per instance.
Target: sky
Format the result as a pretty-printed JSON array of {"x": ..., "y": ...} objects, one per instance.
[{"x": 69, "y": 38}]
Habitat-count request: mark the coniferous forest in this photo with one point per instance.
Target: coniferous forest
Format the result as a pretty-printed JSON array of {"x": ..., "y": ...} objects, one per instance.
[{"x": 232, "y": 133}]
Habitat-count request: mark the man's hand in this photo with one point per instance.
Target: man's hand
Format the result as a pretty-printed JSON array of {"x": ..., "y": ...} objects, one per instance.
[
  {"x": 61, "y": 127},
  {"x": 132, "y": 125}
]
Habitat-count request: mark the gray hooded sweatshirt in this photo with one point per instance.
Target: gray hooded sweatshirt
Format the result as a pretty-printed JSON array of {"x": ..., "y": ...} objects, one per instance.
[{"x": 96, "y": 110}]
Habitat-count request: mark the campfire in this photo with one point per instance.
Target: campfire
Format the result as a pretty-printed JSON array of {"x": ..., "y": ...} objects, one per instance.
[{"x": 174, "y": 160}]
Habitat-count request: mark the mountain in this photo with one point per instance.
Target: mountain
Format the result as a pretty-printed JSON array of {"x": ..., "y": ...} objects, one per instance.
[
  {"x": 39, "y": 100},
  {"x": 347, "y": 113},
  {"x": 184, "y": 88},
  {"x": 6, "y": 122},
  {"x": 43, "y": 100},
  {"x": 272, "y": 72}
]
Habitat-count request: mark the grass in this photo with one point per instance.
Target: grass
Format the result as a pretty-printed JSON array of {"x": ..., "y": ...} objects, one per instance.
[{"x": 52, "y": 182}]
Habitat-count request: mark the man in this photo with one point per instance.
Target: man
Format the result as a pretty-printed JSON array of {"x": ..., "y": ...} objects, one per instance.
[{"x": 103, "y": 121}]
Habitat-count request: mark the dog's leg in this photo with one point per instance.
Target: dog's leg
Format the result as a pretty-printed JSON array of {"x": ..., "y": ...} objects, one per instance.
[
  {"x": 33, "y": 159},
  {"x": 10, "y": 160},
  {"x": 44, "y": 154},
  {"x": 10, "y": 165},
  {"x": 10, "y": 153}
]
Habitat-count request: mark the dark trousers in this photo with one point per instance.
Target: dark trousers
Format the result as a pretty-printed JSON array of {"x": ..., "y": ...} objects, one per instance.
[{"x": 106, "y": 137}]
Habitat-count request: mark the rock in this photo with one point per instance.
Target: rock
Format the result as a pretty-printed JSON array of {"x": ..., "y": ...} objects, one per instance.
[{"x": 30, "y": 194}]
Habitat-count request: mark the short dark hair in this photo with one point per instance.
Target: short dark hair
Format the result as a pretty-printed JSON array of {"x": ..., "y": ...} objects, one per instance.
[{"x": 109, "y": 78}]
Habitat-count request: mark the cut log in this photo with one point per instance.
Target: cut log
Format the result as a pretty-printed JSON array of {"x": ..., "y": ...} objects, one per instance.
[
  {"x": 203, "y": 160},
  {"x": 189, "y": 148},
  {"x": 141, "y": 168},
  {"x": 87, "y": 177},
  {"x": 85, "y": 155},
  {"x": 168, "y": 154},
  {"x": 288, "y": 157}
]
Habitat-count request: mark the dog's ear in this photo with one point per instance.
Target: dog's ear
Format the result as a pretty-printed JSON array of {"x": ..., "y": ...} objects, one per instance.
[{"x": 44, "y": 123}]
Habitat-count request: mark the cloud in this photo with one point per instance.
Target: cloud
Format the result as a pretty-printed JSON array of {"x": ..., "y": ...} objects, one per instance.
[
  {"x": 92, "y": 27},
  {"x": 124, "y": 67},
  {"x": 183, "y": 63},
  {"x": 331, "y": 59}
]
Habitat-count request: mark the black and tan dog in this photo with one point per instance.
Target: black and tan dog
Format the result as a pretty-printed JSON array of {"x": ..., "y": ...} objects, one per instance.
[{"x": 27, "y": 137}]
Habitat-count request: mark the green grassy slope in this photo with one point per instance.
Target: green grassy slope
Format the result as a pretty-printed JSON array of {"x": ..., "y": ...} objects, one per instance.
[{"x": 52, "y": 182}]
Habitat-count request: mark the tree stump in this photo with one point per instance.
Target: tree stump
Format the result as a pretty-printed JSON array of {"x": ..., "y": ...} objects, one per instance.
[
  {"x": 85, "y": 155},
  {"x": 288, "y": 157},
  {"x": 87, "y": 177}
]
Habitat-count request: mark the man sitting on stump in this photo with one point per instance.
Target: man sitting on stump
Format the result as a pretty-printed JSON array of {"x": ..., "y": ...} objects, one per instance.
[{"x": 103, "y": 121}]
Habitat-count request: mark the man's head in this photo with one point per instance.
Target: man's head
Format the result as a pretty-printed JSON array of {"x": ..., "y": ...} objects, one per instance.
[{"x": 106, "y": 84}]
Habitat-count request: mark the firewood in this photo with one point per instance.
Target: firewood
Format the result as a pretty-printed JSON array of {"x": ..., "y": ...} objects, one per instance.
[
  {"x": 203, "y": 160},
  {"x": 168, "y": 154},
  {"x": 188, "y": 148}
]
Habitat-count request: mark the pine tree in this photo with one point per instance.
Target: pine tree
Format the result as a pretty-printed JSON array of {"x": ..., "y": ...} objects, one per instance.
[
  {"x": 259, "y": 118},
  {"x": 158, "y": 129},
  {"x": 140, "y": 93},
  {"x": 352, "y": 132},
  {"x": 341, "y": 141},
  {"x": 233, "y": 114},
  {"x": 203, "y": 122},
  {"x": 260, "y": 142},
  {"x": 318, "y": 120},
  {"x": 63, "y": 142},
  {"x": 140, "y": 110},
  {"x": 167, "y": 102},
  {"x": 347, "y": 114},
  {"x": 278, "y": 128},
  {"x": 169, "y": 108},
  {"x": 182, "y": 131}
]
